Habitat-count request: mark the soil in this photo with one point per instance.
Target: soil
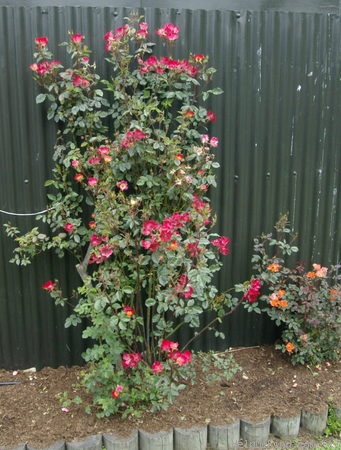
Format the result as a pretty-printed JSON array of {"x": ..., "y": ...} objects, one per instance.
[{"x": 266, "y": 384}]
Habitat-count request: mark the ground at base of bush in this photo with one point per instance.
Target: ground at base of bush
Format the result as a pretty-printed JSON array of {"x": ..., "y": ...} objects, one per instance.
[{"x": 267, "y": 384}]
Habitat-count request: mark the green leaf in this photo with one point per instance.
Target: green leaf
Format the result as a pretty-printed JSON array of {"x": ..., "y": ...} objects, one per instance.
[
  {"x": 150, "y": 302},
  {"x": 40, "y": 98}
]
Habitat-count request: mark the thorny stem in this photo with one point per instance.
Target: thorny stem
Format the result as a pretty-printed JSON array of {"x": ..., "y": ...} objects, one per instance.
[{"x": 211, "y": 323}]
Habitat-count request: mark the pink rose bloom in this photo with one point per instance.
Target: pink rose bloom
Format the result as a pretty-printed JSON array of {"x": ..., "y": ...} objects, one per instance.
[
  {"x": 79, "y": 81},
  {"x": 77, "y": 38},
  {"x": 95, "y": 240},
  {"x": 94, "y": 160},
  {"x": 149, "y": 226},
  {"x": 157, "y": 367},
  {"x": 214, "y": 142},
  {"x": 142, "y": 32},
  {"x": 69, "y": 227},
  {"x": 211, "y": 117},
  {"x": 181, "y": 358},
  {"x": 103, "y": 150},
  {"x": 205, "y": 138},
  {"x": 92, "y": 181},
  {"x": 130, "y": 360},
  {"x": 122, "y": 185},
  {"x": 222, "y": 244},
  {"x": 168, "y": 346},
  {"x": 106, "y": 251},
  {"x": 168, "y": 31},
  {"x": 188, "y": 292}
]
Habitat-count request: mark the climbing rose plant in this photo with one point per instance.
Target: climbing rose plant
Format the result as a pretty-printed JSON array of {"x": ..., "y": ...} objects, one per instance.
[{"x": 133, "y": 163}]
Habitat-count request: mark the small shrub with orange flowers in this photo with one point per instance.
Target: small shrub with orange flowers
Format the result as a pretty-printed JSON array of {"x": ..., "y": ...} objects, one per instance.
[
  {"x": 133, "y": 163},
  {"x": 306, "y": 304}
]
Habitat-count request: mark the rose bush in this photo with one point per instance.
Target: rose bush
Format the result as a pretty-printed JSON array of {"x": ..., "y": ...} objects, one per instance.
[
  {"x": 306, "y": 304},
  {"x": 133, "y": 163}
]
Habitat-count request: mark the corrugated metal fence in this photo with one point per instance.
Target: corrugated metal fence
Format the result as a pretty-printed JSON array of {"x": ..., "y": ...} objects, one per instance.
[{"x": 279, "y": 128}]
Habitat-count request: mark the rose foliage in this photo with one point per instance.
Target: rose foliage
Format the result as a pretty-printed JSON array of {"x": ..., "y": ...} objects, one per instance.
[
  {"x": 305, "y": 303},
  {"x": 133, "y": 163}
]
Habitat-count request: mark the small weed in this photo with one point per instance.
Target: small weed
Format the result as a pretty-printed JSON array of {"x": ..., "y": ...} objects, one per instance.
[{"x": 333, "y": 424}]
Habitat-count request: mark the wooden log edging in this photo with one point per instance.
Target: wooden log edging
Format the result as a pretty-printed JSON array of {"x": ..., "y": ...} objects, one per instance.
[{"x": 213, "y": 437}]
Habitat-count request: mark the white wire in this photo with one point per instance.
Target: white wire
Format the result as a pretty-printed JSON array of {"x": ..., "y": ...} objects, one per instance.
[{"x": 25, "y": 214}]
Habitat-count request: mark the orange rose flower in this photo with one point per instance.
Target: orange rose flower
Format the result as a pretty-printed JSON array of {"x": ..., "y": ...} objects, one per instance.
[
  {"x": 274, "y": 267},
  {"x": 290, "y": 347},
  {"x": 333, "y": 294},
  {"x": 311, "y": 274}
]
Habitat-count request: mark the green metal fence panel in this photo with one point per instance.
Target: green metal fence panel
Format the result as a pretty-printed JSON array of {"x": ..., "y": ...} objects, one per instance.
[{"x": 279, "y": 131}]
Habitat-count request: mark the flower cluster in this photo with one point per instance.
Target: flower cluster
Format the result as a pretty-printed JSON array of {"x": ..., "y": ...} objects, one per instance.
[
  {"x": 169, "y": 31},
  {"x": 153, "y": 64},
  {"x": 171, "y": 349},
  {"x": 45, "y": 67},
  {"x": 277, "y": 299},
  {"x": 253, "y": 291},
  {"x": 222, "y": 243},
  {"x": 164, "y": 231},
  {"x": 307, "y": 304}
]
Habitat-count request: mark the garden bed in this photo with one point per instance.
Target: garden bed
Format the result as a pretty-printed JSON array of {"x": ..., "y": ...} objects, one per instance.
[{"x": 266, "y": 386}]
